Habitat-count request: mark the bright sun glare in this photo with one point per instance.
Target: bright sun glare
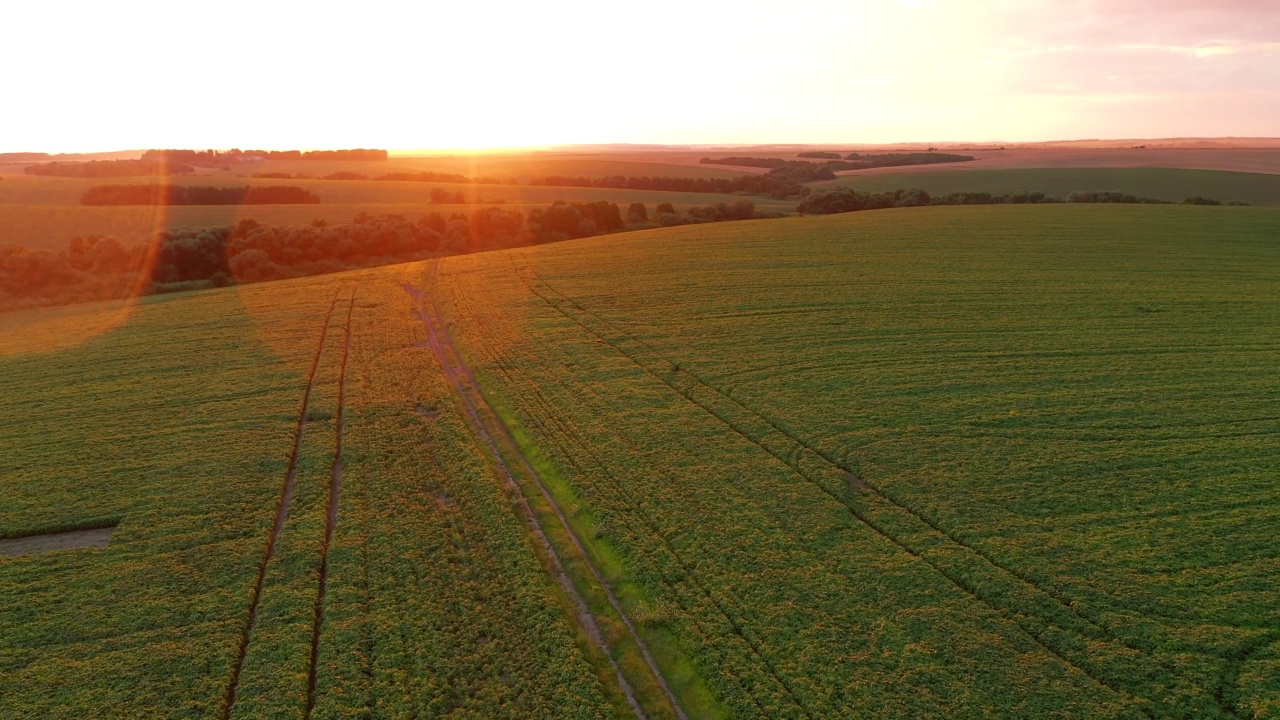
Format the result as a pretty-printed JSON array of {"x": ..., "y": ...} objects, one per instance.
[{"x": 467, "y": 75}]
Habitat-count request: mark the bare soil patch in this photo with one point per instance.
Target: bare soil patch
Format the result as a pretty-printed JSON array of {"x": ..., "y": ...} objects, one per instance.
[{"x": 53, "y": 542}]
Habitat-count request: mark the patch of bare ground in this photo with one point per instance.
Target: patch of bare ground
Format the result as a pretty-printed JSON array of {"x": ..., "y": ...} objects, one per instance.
[{"x": 53, "y": 542}]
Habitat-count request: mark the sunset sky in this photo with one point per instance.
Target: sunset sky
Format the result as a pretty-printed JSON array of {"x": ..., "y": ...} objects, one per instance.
[{"x": 92, "y": 76}]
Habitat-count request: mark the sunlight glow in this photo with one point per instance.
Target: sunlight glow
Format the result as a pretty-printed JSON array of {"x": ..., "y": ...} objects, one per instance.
[{"x": 142, "y": 74}]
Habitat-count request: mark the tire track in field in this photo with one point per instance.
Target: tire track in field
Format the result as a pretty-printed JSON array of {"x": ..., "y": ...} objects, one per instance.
[
  {"x": 954, "y": 578},
  {"x": 801, "y": 446},
  {"x": 455, "y": 371},
  {"x": 564, "y": 521},
  {"x": 331, "y": 515},
  {"x": 1229, "y": 677},
  {"x": 277, "y": 524},
  {"x": 686, "y": 567}
]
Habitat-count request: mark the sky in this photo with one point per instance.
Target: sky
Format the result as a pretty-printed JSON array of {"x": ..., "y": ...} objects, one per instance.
[{"x": 93, "y": 76}]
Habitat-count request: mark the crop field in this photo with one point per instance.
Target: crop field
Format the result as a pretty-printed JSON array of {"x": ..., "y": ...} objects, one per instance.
[
  {"x": 45, "y": 212},
  {"x": 522, "y": 167},
  {"x": 1007, "y": 461},
  {"x": 1161, "y": 183},
  {"x": 305, "y": 527},
  {"x": 951, "y": 462},
  {"x": 1242, "y": 158}
]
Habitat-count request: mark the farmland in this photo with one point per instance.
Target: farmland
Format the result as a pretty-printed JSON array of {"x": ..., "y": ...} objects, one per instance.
[
  {"x": 45, "y": 212},
  {"x": 964, "y": 443},
  {"x": 949, "y": 462},
  {"x": 181, "y": 424}
]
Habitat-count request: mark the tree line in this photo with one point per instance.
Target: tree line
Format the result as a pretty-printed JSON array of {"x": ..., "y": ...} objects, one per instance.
[
  {"x": 197, "y": 195},
  {"x": 96, "y": 268},
  {"x": 847, "y": 199},
  {"x": 852, "y": 161},
  {"x": 216, "y": 157},
  {"x": 184, "y": 162},
  {"x": 903, "y": 159}
]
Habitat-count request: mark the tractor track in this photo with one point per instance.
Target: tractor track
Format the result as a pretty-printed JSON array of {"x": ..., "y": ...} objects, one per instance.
[
  {"x": 331, "y": 515},
  {"x": 460, "y": 377},
  {"x": 722, "y": 606},
  {"x": 277, "y": 524}
]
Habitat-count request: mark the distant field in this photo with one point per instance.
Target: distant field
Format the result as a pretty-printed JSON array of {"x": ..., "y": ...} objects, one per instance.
[
  {"x": 1161, "y": 183},
  {"x": 522, "y": 167},
  {"x": 1231, "y": 159},
  {"x": 504, "y": 167},
  {"x": 44, "y": 212}
]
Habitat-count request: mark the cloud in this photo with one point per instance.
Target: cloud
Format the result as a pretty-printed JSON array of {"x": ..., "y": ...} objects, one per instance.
[
  {"x": 1101, "y": 23},
  {"x": 1143, "y": 69}
]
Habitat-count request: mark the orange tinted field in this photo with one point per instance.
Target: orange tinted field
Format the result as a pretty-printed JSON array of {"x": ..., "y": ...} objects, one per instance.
[{"x": 1265, "y": 160}]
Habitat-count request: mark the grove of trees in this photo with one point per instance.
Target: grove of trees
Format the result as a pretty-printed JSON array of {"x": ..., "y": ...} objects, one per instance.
[
  {"x": 847, "y": 199},
  {"x": 216, "y": 157},
  {"x": 95, "y": 268},
  {"x": 852, "y": 161}
]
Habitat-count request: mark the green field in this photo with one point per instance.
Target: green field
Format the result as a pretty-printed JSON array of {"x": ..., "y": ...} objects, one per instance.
[
  {"x": 1161, "y": 183},
  {"x": 180, "y": 424},
  {"x": 1009, "y": 461}
]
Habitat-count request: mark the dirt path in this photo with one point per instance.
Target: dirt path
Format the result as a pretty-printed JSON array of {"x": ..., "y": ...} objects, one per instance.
[
  {"x": 331, "y": 518},
  {"x": 52, "y": 542},
  {"x": 277, "y": 524},
  {"x": 494, "y": 433}
]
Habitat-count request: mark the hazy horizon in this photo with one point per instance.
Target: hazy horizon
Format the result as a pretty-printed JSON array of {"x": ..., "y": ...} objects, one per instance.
[{"x": 1187, "y": 142}]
